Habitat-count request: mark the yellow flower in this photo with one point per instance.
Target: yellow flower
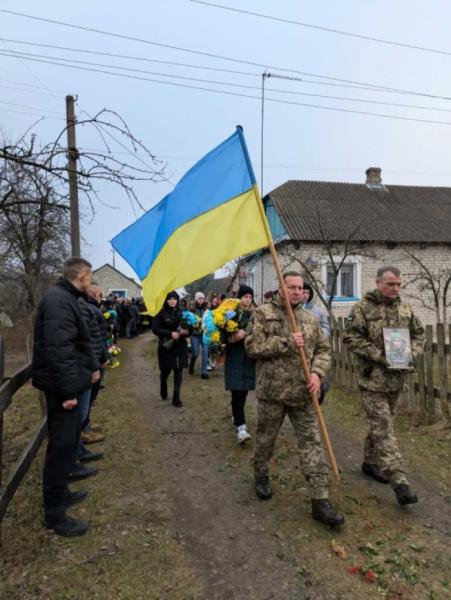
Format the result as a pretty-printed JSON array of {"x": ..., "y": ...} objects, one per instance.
[
  {"x": 216, "y": 337},
  {"x": 231, "y": 326}
]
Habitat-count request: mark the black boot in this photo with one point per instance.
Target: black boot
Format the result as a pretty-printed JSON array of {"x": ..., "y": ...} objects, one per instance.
[
  {"x": 374, "y": 472},
  {"x": 176, "y": 400},
  {"x": 56, "y": 519},
  {"x": 191, "y": 367},
  {"x": 405, "y": 495},
  {"x": 263, "y": 487},
  {"x": 163, "y": 389},
  {"x": 322, "y": 510},
  {"x": 88, "y": 456},
  {"x": 80, "y": 471},
  {"x": 71, "y": 498}
]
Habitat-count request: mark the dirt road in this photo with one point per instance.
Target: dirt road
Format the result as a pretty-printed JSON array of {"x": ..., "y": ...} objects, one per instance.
[{"x": 173, "y": 512}]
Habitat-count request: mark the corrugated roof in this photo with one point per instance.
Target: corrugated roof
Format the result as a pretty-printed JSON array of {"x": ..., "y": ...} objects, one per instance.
[{"x": 318, "y": 210}]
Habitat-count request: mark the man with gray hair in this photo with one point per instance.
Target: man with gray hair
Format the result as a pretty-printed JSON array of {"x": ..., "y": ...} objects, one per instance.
[
  {"x": 380, "y": 381},
  {"x": 64, "y": 368}
]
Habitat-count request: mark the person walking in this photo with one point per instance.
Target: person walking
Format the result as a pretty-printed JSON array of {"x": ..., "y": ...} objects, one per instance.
[
  {"x": 172, "y": 346},
  {"x": 380, "y": 383},
  {"x": 282, "y": 389},
  {"x": 64, "y": 367},
  {"x": 197, "y": 343},
  {"x": 239, "y": 369},
  {"x": 308, "y": 299}
]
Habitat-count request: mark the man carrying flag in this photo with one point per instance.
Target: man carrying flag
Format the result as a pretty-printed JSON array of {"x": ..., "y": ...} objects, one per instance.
[
  {"x": 283, "y": 390},
  {"x": 217, "y": 199}
]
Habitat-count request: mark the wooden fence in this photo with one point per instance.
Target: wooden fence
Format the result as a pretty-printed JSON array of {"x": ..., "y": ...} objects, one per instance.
[
  {"x": 8, "y": 387},
  {"x": 429, "y": 393}
]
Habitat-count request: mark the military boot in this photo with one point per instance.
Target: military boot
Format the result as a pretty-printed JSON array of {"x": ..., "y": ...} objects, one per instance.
[
  {"x": 322, "y": 510},
  {"x": 374, "y": 472},
  {"x": 263, "y": 487},
  {"x": 405, "y": 495}
]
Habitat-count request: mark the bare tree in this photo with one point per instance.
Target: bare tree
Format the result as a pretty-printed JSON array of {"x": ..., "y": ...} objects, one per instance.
[
  {"x": 33, "y": 237},
  {"x": 429, "y": 286},
  {"x": 334, "y": 253},
  {"x": 94, "y": 166}
]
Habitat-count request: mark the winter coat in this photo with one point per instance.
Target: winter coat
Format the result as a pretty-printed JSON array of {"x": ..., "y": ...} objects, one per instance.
[
  {"x": 270, "y": 342},
  {"x": 364, "y": 336},
  {"x": 199, "y": 311},
  {"x": 239, "y": 369},
  {"x": 63, "y": 358},
  {"x": 97, "y": 328},
  {"x": 172, "y": 354},
  {"x": 320, "y": 314}
]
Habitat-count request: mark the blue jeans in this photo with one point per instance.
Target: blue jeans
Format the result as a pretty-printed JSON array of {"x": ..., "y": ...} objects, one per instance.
[
  {"x": 197, "y": 345},
  {"x": 84, "y": 401}
]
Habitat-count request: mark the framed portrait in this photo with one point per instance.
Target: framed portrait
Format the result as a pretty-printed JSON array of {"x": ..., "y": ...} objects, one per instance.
[{"x": 398, "y": 350}]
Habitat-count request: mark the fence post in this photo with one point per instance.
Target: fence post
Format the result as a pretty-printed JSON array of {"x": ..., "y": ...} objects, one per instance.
[
  {"x": 429, "y": 359},
  {"x": 422, "y": 387},
  {"x": 443, "y": 371}
]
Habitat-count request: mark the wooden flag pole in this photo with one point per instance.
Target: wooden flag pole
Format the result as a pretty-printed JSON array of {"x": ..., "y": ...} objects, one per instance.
[{"x": 294, "y": 328}]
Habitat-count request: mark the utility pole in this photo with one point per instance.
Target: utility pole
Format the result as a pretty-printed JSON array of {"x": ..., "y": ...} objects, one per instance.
[{"x": 72, "y": 156}]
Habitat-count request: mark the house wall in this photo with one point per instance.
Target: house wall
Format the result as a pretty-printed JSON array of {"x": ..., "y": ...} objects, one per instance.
[
  {"x": 109, "y": 279},
  {"x": 435, "y": 257}
]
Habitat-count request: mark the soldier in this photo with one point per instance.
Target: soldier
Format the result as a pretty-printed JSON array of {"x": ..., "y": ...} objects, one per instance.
[
  {"x": 381, "y": 385},
  {"x": 282, "y": 389}
]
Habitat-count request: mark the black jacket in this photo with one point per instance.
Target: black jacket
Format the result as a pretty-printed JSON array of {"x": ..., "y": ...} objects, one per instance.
[
  {"x": 172, "y": 354},
  {"x": 63, "y": 359},
  {"x": 97, "y": 327}
]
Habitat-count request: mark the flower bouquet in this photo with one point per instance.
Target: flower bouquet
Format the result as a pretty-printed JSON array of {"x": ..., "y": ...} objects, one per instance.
[
  {"x": 189, "y": 321},
  {"x": 222, "y": 320}
]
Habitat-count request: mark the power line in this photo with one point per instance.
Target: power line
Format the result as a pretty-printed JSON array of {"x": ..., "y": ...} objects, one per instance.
[
  {"x": 19, "y": 89},
  {"x": 132, "y": 57},
  {"x": 236, "y": 85},
  {"x": 327, "y": 29},
  {"x": 21, "y": 112},
  {"x": 202, "y": 67},
  {"x": 31, "y": 107},
  {"x": 208, "y": 54},
  {"x": 33, "y": 74},
  {"x": 228, "y": 93}
]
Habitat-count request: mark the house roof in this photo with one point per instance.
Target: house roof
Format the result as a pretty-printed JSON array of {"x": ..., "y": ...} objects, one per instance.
[
  {"x": 321, "y": 210},
  {"x": 117, "y": 271}
]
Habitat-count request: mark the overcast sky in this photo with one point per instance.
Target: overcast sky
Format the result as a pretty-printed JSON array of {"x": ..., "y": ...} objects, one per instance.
[{"x": 180, "y": 124}]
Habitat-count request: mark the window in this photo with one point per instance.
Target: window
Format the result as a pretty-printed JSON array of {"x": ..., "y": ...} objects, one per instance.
[
  {"x": 346, "y": 286},
  {"x": 119, "y": 292}
]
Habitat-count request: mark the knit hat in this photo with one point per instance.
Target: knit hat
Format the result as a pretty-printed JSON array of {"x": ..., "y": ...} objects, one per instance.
[
  {"x": 199, "y": 296},
  {"x": 172, "y": 295},
  {"x": 243, "y": 290}
]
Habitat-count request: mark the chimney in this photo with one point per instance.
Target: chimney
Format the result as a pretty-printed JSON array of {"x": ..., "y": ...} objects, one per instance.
[{"x": 373, "y": 177}]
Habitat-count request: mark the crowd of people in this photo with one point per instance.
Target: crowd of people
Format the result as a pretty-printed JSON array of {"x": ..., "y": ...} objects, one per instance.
[
  {"x": 262, "y": 354},
  {"x": 76, "y": 330}
]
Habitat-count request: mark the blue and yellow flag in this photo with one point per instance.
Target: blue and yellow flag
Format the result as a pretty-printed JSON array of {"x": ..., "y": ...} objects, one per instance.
[{"x": 211, "y": 217}]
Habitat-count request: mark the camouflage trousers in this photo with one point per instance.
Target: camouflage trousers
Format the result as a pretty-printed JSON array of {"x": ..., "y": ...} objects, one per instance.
[
  {"x": 381, "y": 448},
  {"x": 270, "y": 416}
]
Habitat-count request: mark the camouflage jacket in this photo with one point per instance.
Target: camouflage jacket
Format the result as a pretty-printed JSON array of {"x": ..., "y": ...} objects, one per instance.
[
  {"x": 269, "y": 340},
  {"x": 364, "y": 336}
]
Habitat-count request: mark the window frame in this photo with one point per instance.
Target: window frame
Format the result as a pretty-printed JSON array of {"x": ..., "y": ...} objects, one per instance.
[{"x": 357, "y": 278}]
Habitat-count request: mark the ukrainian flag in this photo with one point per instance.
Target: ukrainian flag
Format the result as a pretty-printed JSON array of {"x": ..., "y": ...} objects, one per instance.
[{"x": 213, "y": 215}]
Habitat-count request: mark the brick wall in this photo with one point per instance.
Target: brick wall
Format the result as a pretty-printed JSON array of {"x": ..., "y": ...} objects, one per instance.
[{"x": 437, "y": 258}]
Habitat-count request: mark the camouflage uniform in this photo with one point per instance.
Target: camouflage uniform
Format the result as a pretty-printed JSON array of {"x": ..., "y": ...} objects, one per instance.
[
  {"x": 381, "y": 386},
  {"x": 281, "y": 388}
]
